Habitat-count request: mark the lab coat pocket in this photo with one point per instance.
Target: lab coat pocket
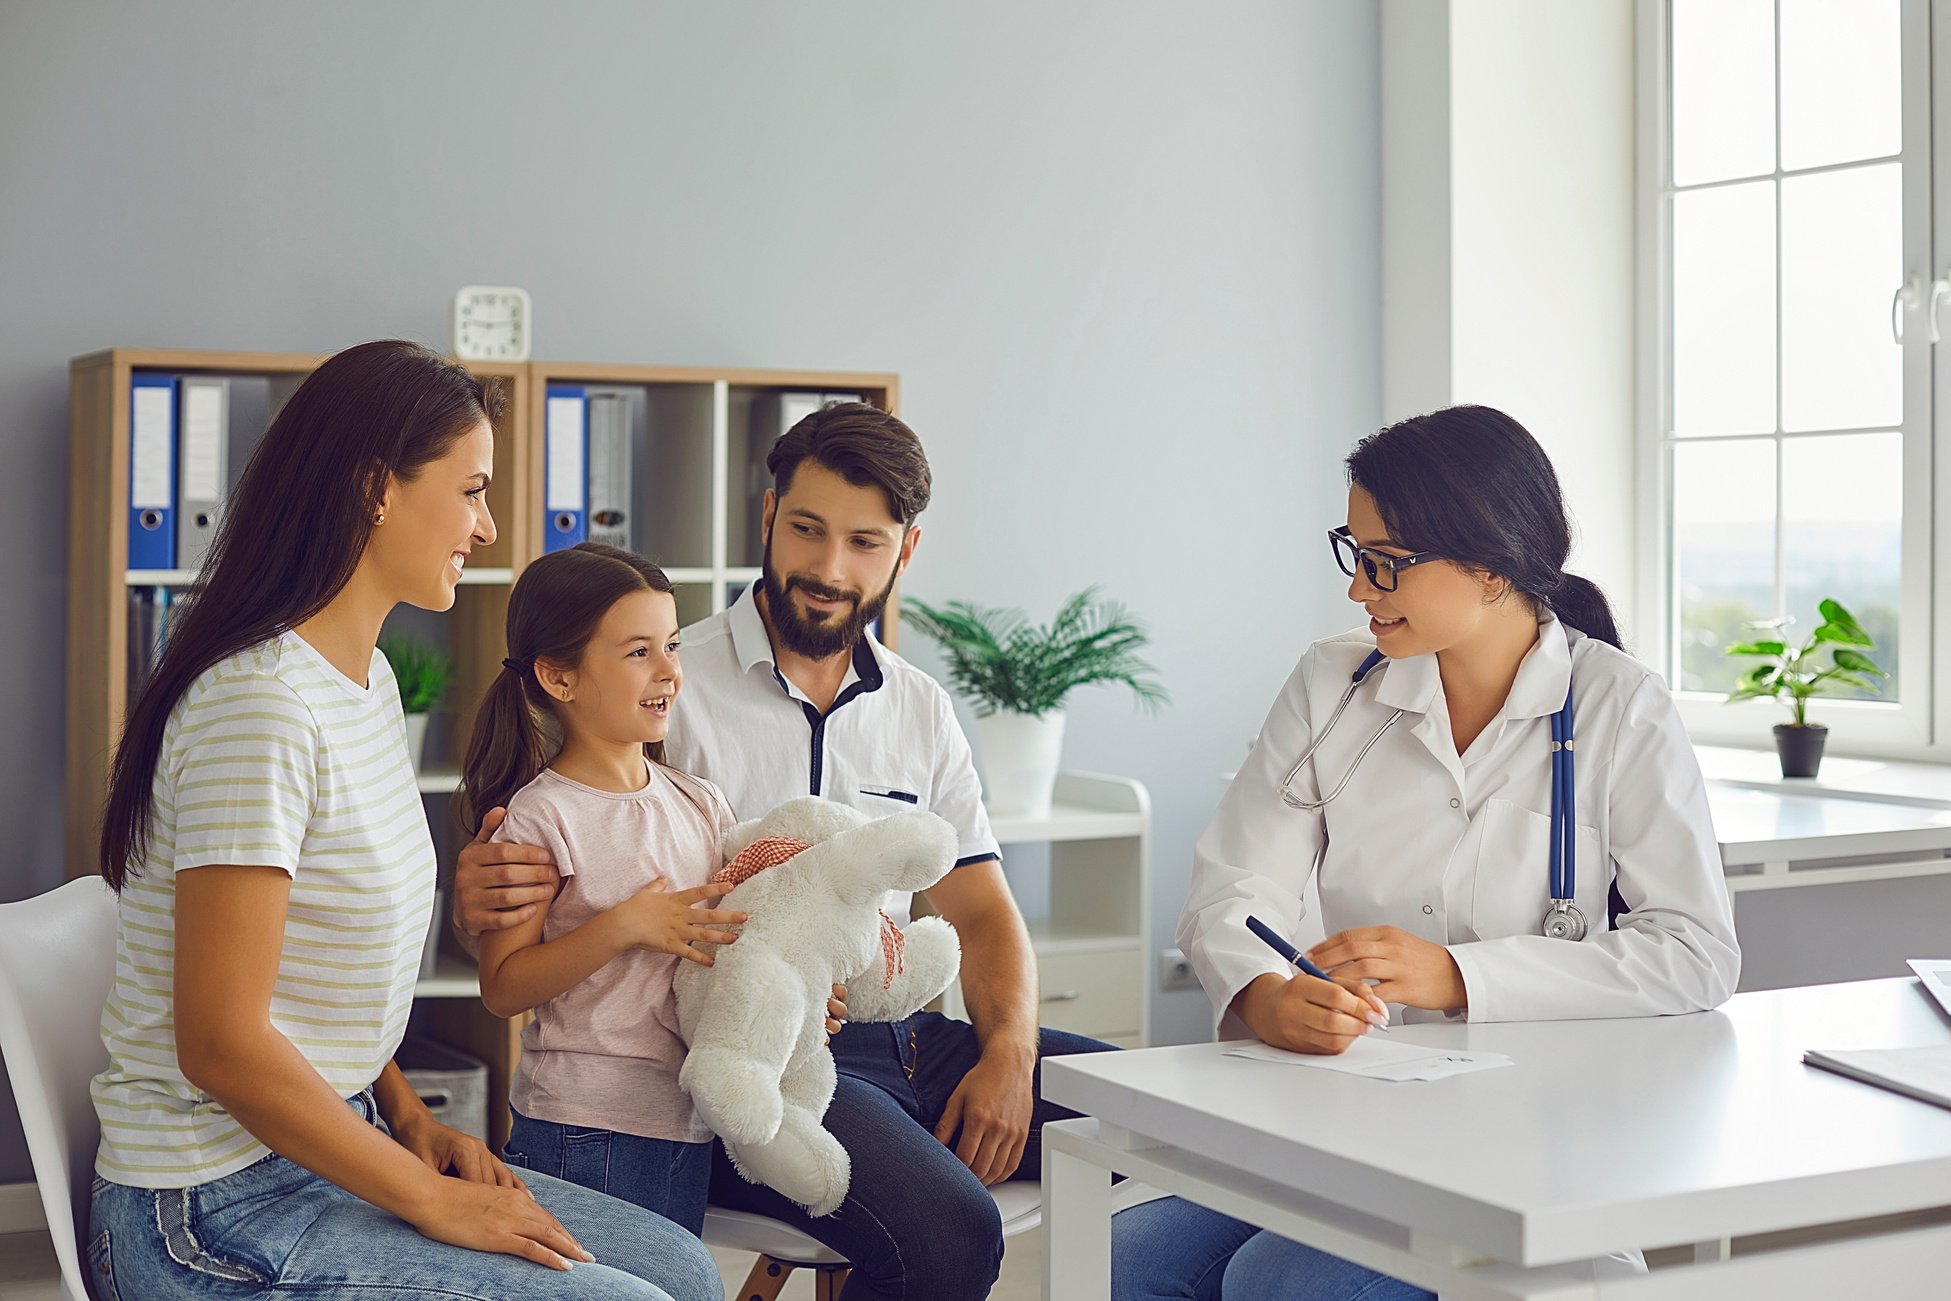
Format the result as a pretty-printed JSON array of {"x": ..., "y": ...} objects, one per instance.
[{"x": 1512, "y": 889}]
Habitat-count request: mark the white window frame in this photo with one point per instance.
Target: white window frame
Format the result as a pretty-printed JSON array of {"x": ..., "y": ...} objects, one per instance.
[{"x": 1920, "y": 726}]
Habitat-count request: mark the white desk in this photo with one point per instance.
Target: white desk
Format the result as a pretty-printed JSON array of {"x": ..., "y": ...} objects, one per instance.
[
  {"x": 1604, "y": 1136},
  {"x": 1777, "y": 838}
]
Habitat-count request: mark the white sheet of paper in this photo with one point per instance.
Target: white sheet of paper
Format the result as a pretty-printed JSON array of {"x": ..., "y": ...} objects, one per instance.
[{"x": 1380, "y": 1059}]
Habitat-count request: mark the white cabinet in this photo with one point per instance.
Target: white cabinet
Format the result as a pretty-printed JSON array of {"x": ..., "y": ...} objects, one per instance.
[{"x": 1093, "y": 934}]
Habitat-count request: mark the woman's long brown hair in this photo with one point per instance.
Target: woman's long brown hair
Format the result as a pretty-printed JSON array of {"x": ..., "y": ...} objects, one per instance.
[
  {"x": 553, "y": 612},
  {"x": 292, "y": 534}
]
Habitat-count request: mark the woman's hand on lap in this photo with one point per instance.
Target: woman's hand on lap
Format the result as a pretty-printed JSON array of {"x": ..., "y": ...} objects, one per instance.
[
  {"x": 488, "y": 1217},
  {"x": 442, "y": 1148}
]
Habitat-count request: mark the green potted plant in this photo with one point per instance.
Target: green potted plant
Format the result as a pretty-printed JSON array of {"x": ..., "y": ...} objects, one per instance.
[
  {"x": 1793, "y": 674},
  {"x": 424, "y": 673},
  {"x": 1017, "y": 675}
]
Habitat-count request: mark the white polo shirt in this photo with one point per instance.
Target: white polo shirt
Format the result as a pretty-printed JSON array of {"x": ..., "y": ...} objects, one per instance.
[{"x": 890, "y": 742}]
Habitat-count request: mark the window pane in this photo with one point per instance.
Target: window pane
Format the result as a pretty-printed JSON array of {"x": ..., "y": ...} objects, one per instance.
[
  {"x": 1842, "y": 258},
  {"x": 1723, "y": 89},
  {"x": 1842, "y": 517},
  {"x": 1723, "y": 554},
  {"x": 1842, "y": 81},
  {"x": 1724, "y": 310}
]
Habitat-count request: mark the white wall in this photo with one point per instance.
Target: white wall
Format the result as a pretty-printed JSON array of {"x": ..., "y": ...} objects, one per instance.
[
  {"x": 1508, "y": 239},
  {"x": 1125, "y": 259}
]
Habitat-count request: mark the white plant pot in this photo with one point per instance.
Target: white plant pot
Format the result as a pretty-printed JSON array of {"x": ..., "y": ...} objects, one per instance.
[
  {"x": 416, "y": 739},
  {"x": 1019, "y": 762}
]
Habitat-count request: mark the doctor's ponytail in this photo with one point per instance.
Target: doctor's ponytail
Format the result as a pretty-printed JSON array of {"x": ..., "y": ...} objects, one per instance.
[{"x": 1472, "y": 484}]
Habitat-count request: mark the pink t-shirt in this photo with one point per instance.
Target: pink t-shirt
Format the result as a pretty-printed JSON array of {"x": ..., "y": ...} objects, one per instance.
[{"x": 605, "y": 1054}]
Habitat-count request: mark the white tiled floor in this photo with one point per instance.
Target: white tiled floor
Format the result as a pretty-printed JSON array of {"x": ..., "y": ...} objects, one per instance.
[{"x": 28, "y": 1271}]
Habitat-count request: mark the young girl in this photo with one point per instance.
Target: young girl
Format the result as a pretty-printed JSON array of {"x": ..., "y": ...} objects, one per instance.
[
  {"x": 592, "y": 655},
  {"x": 275, "y": 874},
  {"x": 1424, "y": 816}
]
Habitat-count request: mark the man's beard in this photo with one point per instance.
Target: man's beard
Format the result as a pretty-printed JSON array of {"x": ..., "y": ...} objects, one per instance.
[{"x": 816, "y": 636}]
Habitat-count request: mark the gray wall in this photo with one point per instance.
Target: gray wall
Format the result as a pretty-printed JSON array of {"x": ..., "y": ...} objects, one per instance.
[{"x": 1125, "y": 258}]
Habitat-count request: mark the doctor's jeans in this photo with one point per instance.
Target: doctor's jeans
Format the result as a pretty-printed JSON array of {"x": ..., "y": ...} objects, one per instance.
[
  {"x": 276, "y": 1230},
  {"x": 1175, "y": 1250},
  {"x": 916, "y": 1225}
]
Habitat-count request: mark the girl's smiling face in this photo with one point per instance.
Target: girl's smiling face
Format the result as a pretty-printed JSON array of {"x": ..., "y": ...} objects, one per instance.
[{"x": 626, "y": 684}]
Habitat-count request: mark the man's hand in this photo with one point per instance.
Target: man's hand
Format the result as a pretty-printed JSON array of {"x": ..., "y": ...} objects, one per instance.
[
  {"x": 442, "y": 1148},
  {"x": 991, "y": 1109},
  {"x": 1404, "y": 968},
  {"x": 499, "y": 885}
]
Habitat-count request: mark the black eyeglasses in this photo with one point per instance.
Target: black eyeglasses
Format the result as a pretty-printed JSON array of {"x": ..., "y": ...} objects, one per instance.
[{"x": 1383, "y": 570}]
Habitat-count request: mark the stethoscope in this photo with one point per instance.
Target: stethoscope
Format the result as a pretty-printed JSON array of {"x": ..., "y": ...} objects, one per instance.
[{"x": 1563, "y": 920}]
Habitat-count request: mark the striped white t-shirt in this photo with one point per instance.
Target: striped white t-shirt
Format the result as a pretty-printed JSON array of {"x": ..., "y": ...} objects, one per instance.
[{"x": 272, "y": 758}]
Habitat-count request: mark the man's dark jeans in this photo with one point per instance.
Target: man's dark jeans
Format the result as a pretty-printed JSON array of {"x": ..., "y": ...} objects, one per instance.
[{"x": 916, "y": 1224}]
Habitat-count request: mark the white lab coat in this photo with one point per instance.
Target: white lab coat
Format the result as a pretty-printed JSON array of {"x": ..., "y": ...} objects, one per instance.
[{"x": 1454, "y": 848}]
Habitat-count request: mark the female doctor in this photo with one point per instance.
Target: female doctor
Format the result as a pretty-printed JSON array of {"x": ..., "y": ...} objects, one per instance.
[{"x": 1424, "y": 812}]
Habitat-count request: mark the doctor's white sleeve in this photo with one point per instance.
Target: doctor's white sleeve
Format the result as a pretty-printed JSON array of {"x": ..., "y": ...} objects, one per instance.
[
  {"x": 1675, "y": 949},
  {"x": 1254, "y": 858}
]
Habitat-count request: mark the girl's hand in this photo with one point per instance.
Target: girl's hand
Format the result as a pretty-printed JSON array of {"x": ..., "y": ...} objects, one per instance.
[
  {"x": 671, "y": 922},
  {"x": 485, "y": 1217},
  {"x": 1305, "y": 1015},
  {"x": 1405, "y": 968},
  {"x": 836, "y": 1010},
  {"x": 441, "y": 1148}
]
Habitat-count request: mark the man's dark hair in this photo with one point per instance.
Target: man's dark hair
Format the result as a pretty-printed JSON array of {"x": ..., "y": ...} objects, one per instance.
[{"x": 864, "y": 445}]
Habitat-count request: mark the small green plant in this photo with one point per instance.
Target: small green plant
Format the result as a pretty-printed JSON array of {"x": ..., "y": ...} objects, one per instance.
[
  {"x": 1002, "y": 662},
  {"x": 1792, "y": 674},
  {"x": 423, "y": 672}
]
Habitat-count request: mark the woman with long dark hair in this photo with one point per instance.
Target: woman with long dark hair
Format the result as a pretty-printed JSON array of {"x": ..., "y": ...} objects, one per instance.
[
  {"x": 266, "y": 838},
  {"x": 1414, "y": 769}
]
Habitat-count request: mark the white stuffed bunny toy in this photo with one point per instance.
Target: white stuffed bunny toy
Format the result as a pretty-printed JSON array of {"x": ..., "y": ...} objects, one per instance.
[{"x": 810, "y": 875}]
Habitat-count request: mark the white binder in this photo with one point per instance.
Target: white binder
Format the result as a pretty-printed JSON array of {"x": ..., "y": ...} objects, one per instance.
[
  {"x": 203, "y": 436},
  {"x": 611, "y": 520}
]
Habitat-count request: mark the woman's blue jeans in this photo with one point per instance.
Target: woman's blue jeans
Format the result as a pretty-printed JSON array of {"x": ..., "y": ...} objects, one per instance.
[
  {"x": 274, "y": 1229},
  {"x": 662, "y": 1175},
  {"x": 1176, "y": 1250}
]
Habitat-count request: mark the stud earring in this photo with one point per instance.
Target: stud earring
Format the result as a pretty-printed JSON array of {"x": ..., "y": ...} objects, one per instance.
[{"x": 379, "y": 518}]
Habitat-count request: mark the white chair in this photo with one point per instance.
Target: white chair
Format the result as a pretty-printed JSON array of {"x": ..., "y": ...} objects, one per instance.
[
  {"x": 783, "y": 1249},
  {"x": 57, "y": 961}
]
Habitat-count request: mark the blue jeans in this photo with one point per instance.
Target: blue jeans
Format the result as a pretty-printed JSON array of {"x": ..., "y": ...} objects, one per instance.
[
  {"x": 916, "y": 1223},
  {"x": 1176, "y": 1250},
  {"x": 668, "y": 1177},
  {"x": 274, "y": 1229}
]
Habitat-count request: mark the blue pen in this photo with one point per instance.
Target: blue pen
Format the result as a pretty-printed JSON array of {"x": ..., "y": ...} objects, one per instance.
[{"x": 1288, "y": 952}]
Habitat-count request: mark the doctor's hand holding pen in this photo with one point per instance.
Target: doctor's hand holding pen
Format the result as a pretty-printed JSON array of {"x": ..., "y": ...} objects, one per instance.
[{"x": 1311, "y": 1011}]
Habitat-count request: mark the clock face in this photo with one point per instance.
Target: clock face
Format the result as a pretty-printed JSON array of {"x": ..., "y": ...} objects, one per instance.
[{"x": 491, "y": 323}]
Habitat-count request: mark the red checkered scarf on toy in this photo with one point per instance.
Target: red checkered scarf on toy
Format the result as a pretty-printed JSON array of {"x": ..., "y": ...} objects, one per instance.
[{"x": 771, "y": 851}]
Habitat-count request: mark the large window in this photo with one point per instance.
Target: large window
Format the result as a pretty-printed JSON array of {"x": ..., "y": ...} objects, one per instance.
[{"x": 1790, "y": 445}]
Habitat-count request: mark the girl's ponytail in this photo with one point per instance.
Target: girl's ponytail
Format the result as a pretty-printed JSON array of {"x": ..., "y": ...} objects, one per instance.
[{"x": 506, "y": 751}]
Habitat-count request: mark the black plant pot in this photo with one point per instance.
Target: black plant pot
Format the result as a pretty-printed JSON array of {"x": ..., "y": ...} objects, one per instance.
[{"x": 1800, "y": 747}]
